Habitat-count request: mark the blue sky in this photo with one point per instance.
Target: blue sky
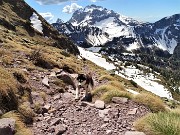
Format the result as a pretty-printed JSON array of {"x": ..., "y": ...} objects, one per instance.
[{"x": 143, "y": 10}]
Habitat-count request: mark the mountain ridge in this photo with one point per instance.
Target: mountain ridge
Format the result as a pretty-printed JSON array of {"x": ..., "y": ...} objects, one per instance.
[{"x": 116, "y": 25}]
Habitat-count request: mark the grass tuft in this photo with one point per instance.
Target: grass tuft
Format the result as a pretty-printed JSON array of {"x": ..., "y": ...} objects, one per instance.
[
  {"x": 107, "y": 97},
  {"x": 106, "y": 77},
  {"x": 151, "y": 101},
  {"x": 162, "y": 123}
]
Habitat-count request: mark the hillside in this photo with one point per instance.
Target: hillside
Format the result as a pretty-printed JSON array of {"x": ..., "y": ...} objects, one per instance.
[{"x": 37, "y": 97}]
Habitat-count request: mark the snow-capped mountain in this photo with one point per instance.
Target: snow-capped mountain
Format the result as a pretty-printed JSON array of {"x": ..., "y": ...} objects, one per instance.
[
  {"x": 98, "y": 26},
  {"x": 85, "y": 36}
]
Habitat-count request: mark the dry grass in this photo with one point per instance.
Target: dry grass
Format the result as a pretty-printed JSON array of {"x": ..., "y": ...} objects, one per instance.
[
  {"x": 151, "y": 101},
  {"x": 110, "y": 90},
  {"x": 26, "y": 112},
  {"x": 19, "y": 125},
  {"x": 20, "y": 76},
  {"x": 7, "y": 83},
  {"x": 117, "y": 84},
  {"x": 107, "y": 97},
  {"x": 107, "y": 77},
  {"x": 162, "y": 123}
]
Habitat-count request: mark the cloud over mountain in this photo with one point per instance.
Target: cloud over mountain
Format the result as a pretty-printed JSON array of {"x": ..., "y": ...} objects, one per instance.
[{"x": 71, "y": 8}]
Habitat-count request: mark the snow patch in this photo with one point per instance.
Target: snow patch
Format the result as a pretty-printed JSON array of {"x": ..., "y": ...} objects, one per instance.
[
  {"x": 36, "y": 23},
  {"x": 148, "y": 81},
  {"x": 96, "y": 58}
]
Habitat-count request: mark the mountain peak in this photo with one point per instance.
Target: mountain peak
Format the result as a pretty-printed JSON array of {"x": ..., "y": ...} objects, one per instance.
[
  {"x": 60, "y": 21},
  {"x": 93, "y": 14}
]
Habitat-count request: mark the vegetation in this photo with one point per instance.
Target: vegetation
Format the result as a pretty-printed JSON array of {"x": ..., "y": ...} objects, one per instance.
[
  {"x": 21, "y": 129},
  {"x": 111, "y": 89},
  {"x": 151, "y": 101},
  {"x": 107, "y": 97},
  {"x": 162, "y": 123}
]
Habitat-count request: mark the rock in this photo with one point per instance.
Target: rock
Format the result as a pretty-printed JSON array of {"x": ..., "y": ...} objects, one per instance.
[
  {"x": 108, "y": 132},
  {"x": 60, "y": 129},
  {"x": 104, "y": 125},
  {"x": 68, "y": 95},
  {"x": 106, "y": 119},
  {"x": 132, "y": 111},
  {"x": 7, "y": 126},
  {"x": 56, "y": 97},
  {"x": 55, "y": 121},
  {"x": 103, "y": 113},
  {"x": 52, "y": 74},
  {"x": 99, "y": 104},
  {"x": 46, "y": 108},
  {"x": 36, "y": 98},
  {"x": 119, "y": 100},
  {"x": 134, "y": 133},
  {"x": 45, "y": 81}
]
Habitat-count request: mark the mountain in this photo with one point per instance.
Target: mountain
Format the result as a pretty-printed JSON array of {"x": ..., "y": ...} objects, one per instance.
[{"x": 108, "y": 27}]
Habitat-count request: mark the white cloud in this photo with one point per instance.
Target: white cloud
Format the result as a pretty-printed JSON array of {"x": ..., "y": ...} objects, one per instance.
[
  {"x": 49, "y": 2},
  {"x": 93, "y": 0},
  {"x": 71, "y": 8},
  {"x": 48, "y": 16}
]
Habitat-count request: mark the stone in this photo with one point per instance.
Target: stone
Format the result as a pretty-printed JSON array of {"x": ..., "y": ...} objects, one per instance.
[
  {"x": 55, "y": 121},
  {"x": 46, "y": 108},
  {"x": 103, "y": 113},
  {"x": 134, "y": 133},
  {"x": 108, "y": 132},
  {"x": 132, "y": 111},
  {"x": 56, "y": 97},
  {"x": 37, "y": 98},
  {"x": 7, "y": 126},
  {"x": 104, "y": 125},
  {"x": 120, "y": 100},
  {"x": 99, "y": 104},
  {"x": 45, "y": 81},
  {"x": 60, "y": 129},
  {"x": 106, "y": 119}
]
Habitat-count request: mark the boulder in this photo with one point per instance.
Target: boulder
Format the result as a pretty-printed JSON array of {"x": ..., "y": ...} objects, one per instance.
[
  {"x": 99, "y": 104},
  {"x": 120, "y": 100},
  {"x": 7, "y": 126}
]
